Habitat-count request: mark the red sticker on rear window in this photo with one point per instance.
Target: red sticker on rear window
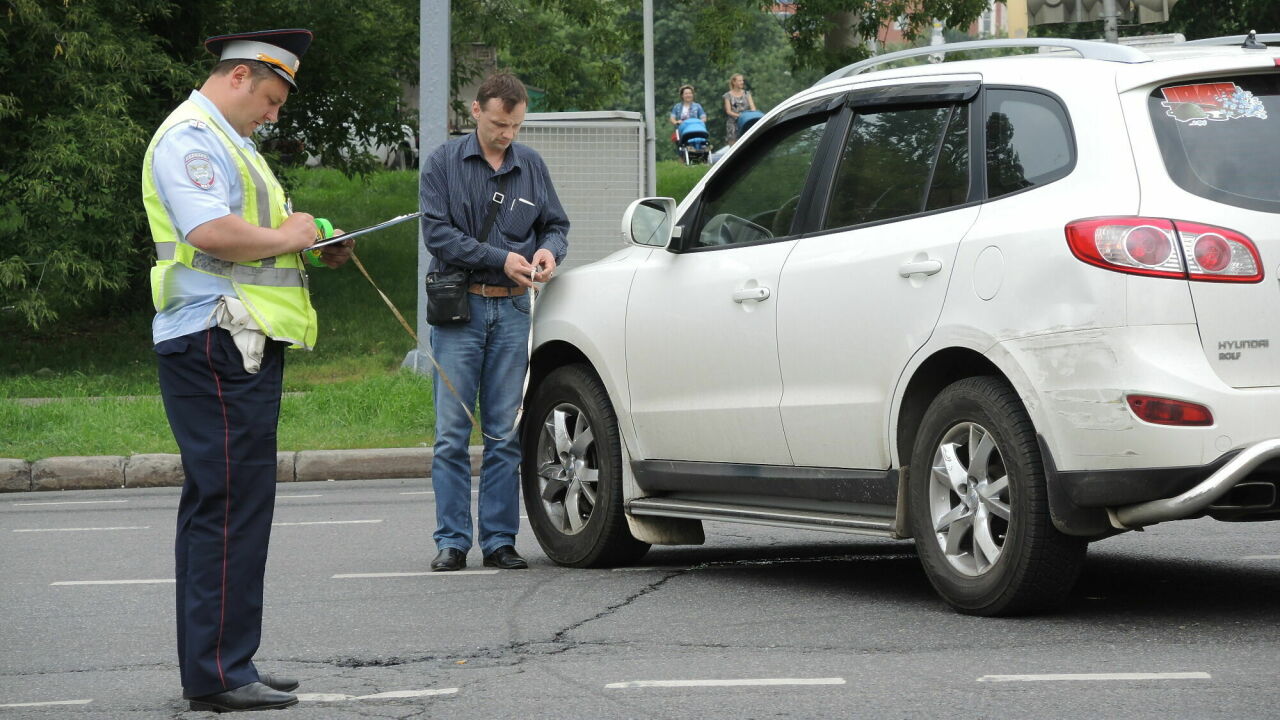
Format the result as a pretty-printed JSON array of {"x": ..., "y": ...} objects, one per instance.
[{"x": 1197, "y": 105}]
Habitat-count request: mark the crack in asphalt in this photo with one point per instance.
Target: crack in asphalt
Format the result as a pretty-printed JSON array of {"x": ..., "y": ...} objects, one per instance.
[
  {"x": 515, "y": 652},
  {"x": 558, "y": 638}
]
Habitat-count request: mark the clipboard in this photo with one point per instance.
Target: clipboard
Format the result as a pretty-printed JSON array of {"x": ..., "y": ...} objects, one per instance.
[{"x": 364, "y": 230}]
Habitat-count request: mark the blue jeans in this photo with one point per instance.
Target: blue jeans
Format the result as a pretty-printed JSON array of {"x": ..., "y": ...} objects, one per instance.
[{"x": 486, "y": 356}]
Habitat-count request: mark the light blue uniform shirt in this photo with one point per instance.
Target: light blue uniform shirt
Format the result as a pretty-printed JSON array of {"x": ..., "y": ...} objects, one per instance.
[{"x": 192, "y": 196}]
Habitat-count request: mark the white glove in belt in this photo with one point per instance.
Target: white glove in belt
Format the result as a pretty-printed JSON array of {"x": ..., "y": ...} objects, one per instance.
[{"x": 233, "y": 317}]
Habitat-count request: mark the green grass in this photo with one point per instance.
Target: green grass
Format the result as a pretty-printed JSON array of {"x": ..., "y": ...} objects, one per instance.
[
  {"x": 383, "y": 410},
  {"x": 353, "y": 393},
  {"x": 675, "y": 179}
]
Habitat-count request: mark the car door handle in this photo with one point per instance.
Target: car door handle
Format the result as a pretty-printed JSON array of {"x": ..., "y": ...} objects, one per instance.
[
  {"x": 756, "y": 293},
  {"x": 920, "y": 267}
]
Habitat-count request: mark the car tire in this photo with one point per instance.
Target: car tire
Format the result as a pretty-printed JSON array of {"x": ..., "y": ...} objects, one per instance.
[
  {"x": 572, "y": 473},
  {"x": 979, "y": 509}
]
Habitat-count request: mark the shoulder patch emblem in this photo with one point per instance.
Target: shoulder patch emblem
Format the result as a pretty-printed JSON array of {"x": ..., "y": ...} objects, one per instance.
[{"x": 199, "y": 169}]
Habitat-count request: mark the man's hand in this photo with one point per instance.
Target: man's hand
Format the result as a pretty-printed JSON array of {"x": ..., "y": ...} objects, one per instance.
[
  {"x": 545, "y": 262},
  {"x": 336, "y": 254},
  {"x": 299, "y": 231},
  {"x": 519, "y": 269}
]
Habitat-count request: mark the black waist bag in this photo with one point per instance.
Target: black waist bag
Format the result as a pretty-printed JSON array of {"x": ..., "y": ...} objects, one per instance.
[{"x": 447, "y": 302}]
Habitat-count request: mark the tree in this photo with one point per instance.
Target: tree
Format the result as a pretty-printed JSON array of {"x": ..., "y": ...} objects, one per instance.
[
  {"x": 571, "y": 50},
  {"x": 829, "y": 34},
  {"x": 759, "y": 50},
  {"x": 1215, "y": 18}
]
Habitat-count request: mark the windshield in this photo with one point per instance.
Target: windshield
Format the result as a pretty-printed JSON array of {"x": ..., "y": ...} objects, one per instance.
[{"x": 1220, "y": 138}]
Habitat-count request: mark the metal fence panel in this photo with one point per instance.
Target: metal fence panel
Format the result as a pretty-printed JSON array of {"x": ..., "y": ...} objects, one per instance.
[{"x": 597, "y": 162}]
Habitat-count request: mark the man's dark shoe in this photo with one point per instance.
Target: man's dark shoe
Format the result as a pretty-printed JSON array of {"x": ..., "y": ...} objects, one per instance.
[
  {"x": 278, "y": 682},
  {"x": 254, "y": 696},
  {"x": 449, "y": 559},
  {"x": 506, "y": 558}
]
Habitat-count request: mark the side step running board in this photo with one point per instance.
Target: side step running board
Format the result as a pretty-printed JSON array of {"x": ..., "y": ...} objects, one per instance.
[{"x": 802, "y": 519}]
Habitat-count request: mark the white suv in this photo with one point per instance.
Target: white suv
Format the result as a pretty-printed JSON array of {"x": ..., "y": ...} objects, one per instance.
[{"x": 1004, "y": 306}]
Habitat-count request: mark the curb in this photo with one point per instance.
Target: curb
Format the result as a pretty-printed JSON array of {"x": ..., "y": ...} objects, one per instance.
[{"x": 163, "y": 470}]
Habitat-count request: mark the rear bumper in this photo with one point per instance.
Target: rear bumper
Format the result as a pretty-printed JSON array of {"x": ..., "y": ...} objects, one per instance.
[
  {"x": 1243, "y": 484},
  {"x": 1200, "y": 498},
  {"x": 1075, "y": 384}
]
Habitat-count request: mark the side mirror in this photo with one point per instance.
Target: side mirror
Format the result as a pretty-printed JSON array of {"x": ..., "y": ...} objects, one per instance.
[{"x": 648, "y": 222}]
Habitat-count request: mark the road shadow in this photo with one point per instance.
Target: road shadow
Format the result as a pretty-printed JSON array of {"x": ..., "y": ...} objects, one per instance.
[{"x": 1132, "y": 589}]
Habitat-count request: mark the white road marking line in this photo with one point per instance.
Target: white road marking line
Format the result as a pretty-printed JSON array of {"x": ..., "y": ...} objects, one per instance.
[
  {"x": 158, "y": 581},
  {"x": 1261, "y": 557},
  {"x": 325, "y": 522},
  {"x": 432, "y": 492},
  {"x": 394, "y": 694},
  {"x": 86, "y": 529},
  {"x": 75, "y": 502},
  {"x": 723, "y": 683},
  {"x": 1096, "y": 676},
  {"x": 44, "y": 704},
  {"x": 294, "y": 497},
  {"x": 650, "y": 568},
  {"x": 347, "y": 576}
]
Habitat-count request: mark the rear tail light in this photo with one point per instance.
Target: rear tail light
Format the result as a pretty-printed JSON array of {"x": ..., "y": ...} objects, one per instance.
[
  {"x": 1165, "y": 248},
  {"x": 1219, "y": 255},
  {"x": 1164, "y": 411}
]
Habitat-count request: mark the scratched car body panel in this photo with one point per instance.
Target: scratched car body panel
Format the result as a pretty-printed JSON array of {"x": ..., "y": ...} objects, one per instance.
[{"x": 1005, "y": 307}]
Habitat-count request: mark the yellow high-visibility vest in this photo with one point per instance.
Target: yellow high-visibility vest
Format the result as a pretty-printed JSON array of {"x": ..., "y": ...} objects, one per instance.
[{"x": 273, "y": 289}]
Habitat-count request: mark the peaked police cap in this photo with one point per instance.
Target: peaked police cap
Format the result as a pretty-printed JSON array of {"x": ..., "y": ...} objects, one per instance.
[{"x": 280, "y": 49}]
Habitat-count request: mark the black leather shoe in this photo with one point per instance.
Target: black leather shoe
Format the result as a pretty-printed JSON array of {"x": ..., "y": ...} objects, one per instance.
[
  {"x": 506, "y": 558},
  {"x": 254, "y": 696},
  {"x": 449, "y": 559},
  {"x": 278, "y": 682}
]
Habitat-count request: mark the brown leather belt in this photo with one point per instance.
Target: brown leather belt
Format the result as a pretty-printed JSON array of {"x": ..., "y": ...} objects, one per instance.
[{"x": 495, "y": 290}]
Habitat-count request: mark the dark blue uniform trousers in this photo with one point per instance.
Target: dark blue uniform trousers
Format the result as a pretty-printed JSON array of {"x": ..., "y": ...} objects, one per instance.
[{"x": 224, "y": 420}]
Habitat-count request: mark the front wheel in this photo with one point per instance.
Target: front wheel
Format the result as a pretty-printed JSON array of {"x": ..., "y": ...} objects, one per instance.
[
  {"x": 572, "y": 473},
  {"x": 979, "y": 508}
]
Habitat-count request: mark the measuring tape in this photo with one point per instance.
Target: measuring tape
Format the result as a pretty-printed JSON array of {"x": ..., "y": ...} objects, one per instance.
[{"x": 324, "y": 231}]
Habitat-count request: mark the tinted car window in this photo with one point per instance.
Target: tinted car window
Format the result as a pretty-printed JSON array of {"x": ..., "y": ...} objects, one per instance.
[
  {"x": 1220, "y": 138},
  {"x": 1029, "y": 141},
  {"x": 887, "y": 169},
  {"x": 950, "y": 185},
  {"x": 759, "y": 198}
]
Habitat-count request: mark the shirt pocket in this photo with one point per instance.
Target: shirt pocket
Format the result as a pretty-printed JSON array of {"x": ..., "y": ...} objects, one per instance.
[{"x": 517, "y": 219}]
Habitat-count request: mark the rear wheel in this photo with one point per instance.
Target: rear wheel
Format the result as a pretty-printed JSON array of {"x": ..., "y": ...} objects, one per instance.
[
  {"x": 979, "y": 509},
  {"x": 572, "y": 473}
]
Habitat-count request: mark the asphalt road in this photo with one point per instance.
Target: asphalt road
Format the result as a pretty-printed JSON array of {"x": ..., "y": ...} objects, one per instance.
[{"x": 1179, "y": 621}]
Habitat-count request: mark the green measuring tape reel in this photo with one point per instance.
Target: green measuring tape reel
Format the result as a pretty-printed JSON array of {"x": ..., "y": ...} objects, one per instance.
[{"x": 324, "y": 229}]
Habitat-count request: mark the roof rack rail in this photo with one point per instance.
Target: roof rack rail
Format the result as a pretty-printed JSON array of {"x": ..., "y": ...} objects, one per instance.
[
  {"x": 1090, "y": 49},
  {"x": 1265, "y": 38}
]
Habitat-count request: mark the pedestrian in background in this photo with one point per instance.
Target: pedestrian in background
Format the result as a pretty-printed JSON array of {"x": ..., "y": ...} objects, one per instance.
[
  {"x": 686, "y": 108},
  {"x": 737, "y": 101},
  {"x": 490, "y": 209},
  {"x": 230, "y": 293}
]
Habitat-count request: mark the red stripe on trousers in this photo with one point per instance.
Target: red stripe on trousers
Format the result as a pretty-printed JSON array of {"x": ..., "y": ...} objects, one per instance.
[{"x": 226, "y": 516}]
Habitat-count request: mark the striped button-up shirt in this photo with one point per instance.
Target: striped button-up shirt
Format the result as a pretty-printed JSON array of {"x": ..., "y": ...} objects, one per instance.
[{"x": 457, "y": 189}]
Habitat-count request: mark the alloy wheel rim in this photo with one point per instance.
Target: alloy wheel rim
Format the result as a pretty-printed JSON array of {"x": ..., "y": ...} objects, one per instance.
[
  {"x": 568, "y": 468},
  {"x": 969, "y": 499}
]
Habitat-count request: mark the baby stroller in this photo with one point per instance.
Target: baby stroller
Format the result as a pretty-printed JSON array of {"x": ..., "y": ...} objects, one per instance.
[
  {"x": 746, "y": 119},
  {"x": 692, "y": 142}
]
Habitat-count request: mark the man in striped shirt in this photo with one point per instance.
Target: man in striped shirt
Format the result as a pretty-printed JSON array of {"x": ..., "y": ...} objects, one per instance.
[{"x": 464, "y": 182}]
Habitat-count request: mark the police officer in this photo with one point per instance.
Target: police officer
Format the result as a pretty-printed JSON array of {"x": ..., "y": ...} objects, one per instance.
[{"x": 230, "y": 292}]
